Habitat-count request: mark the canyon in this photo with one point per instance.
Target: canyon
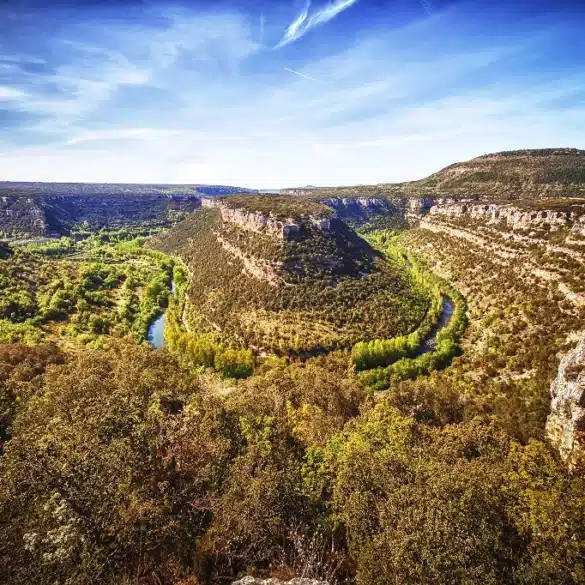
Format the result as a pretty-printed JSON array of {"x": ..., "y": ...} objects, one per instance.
[
  {"x": 528, "y": 233},
  {"x": 29, "y": 210},
  {"x": 346, "y": 373}
]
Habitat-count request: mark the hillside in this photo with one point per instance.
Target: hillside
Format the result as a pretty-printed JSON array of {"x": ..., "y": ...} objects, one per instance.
[
  {"x": 56, "y": 209},
  {"x": 510, "y": 175},
  {"x": 283, "y": 276},
  {"x": 554, "y": 172}
]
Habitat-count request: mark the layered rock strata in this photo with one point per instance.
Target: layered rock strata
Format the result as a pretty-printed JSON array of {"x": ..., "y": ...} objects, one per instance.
[{"x": 565, "y": 426}]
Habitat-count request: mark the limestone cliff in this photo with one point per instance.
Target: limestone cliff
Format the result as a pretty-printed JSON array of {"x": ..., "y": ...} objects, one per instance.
[
  {"x": 58, "y": 215},
  {"x": 515, "y": 217},
  {"x": 272, "y": 215},
  {"x": 566, "y": 424},
  {"x": 298, "y": 581},
  {"x": 255, "y": 221},
  {"x": 553, "y": 214},
  {"x": 55, "y": 209}
]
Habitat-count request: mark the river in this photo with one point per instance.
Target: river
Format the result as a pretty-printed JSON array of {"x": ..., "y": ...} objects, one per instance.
[
  {"x": 156, "y": 330},
  {"x": 430, "y": 343}
]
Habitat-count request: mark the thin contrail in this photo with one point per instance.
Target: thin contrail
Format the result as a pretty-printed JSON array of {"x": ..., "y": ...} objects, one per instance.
[
  {"x": 427, "y": 6},
  {"x": 302, "y": 75}
]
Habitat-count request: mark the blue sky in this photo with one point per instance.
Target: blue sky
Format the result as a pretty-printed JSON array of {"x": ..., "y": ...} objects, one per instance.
[{"x": 273, "y": 93}]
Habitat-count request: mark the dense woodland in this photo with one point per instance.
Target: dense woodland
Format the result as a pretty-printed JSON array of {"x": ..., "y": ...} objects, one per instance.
[
  {"x": 232, "y": 452},
  {"x": 122, "y": 467},
  {"x": 108, "y": 285}
]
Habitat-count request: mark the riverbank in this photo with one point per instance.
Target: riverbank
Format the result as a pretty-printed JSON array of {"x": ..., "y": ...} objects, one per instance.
[
  {"x": 432, "y": 346},
  {"x": 379, "y": 362}
]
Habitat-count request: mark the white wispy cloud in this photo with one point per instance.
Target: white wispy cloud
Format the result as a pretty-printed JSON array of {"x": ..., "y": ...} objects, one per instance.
[
  {"x": 9, "y": 94},
  {"x": 301, "y": 74},
  {"x": 305, "y": 22},
  {"x": 295, "y": 27},
  {"x": 129, "y": 58}
]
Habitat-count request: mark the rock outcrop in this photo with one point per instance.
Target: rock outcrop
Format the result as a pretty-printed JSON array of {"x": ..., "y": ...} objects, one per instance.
[
  {"x": 566, "y": 423},
  {"x": 415, "y": 209},
  {"x": 58, "y": 215},
  {"x": 55, "y": 209},
  {"x": 342, "y": 204},
  {"x": 298, "y": 581},
  {"x": 359, "y": 211},
  {"x": 511, "y": 215},
  {"x": 285, "y": 229},
  {"x": 579, "y": 226},
  {"x": 22, "y": 215}
]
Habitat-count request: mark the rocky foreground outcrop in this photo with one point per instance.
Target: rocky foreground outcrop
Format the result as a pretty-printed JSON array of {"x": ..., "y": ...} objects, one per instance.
[
  {"x": 566, "y": 423},
  {"x": 298, "y": 581}
]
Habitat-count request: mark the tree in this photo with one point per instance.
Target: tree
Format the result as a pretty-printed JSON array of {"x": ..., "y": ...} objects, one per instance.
[{"x": 109, "y": 470}]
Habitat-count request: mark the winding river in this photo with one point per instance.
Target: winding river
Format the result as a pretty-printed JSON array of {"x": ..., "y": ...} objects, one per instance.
[
  {"x": 430, "y": 343},
  {"x": 156, "y": 330}
]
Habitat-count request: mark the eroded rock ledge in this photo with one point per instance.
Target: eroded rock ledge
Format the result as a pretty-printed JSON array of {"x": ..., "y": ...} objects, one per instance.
[
  {"x": 565, "y": 426},
  {"x": 298, "y": 581},
  {"x": 513, "y": 216},
  {"x": 254, "y": 221}
]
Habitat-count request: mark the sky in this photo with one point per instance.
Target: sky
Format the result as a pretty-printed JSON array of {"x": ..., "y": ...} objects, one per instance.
[{"x": 283, "y": 93}]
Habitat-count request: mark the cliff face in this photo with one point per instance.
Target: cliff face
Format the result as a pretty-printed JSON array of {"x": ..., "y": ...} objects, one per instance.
[
  {"x": 356, "y": 207},
  {"x": 513, "y": 216},
  {"x": 21, "y": 215},
  {"x": 27, "y": 216},
  {"x": 54, "y": 209},
  {"x": 566, "y": 424},
  {"x": 255, "y": 221},
  {"x": 551, "y": 215}
]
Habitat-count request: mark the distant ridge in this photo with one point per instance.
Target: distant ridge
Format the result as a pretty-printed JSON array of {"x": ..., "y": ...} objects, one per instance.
[
  {"x": 512, "y": 175},
  {"x": 515, "y": 174}
]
